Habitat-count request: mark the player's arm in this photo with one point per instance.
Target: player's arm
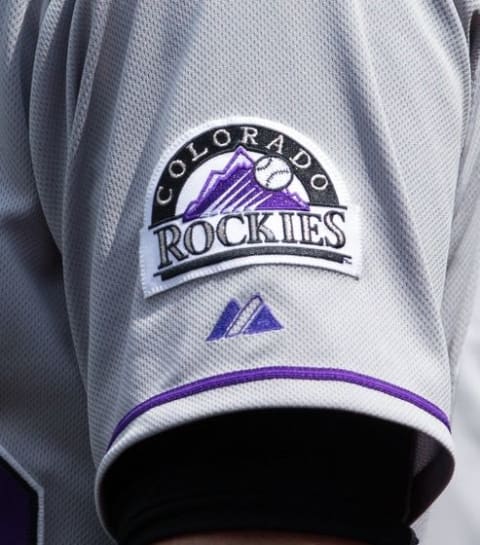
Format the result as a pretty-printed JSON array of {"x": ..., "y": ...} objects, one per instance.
[{"x": 256, "y": 538}]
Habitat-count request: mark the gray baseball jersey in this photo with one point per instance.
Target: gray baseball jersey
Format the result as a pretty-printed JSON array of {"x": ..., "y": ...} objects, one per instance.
[{"x": 212, "y": 206}]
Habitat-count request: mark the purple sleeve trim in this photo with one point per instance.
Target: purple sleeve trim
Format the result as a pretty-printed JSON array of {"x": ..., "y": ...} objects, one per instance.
[{"x": 279, "y": 372}]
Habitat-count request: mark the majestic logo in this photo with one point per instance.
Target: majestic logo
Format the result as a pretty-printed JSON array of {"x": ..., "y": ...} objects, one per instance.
[
  {"x": 244, "y": 192},
  {"x": 254, "y": 317}
]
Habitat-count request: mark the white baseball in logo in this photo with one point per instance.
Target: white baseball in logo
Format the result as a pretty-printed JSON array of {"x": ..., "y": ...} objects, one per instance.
[{"x": 272, "y": 172}]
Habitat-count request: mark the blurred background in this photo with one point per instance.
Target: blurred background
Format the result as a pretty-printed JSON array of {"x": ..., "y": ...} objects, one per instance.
[{"x": 455, "y": 517}]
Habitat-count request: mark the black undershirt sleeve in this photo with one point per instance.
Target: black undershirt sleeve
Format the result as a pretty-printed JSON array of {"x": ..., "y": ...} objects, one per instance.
[{"x": 320, "y": 471}]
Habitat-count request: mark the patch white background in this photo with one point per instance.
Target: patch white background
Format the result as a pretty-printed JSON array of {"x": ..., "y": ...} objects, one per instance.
[{"x": 149, "y": 253}]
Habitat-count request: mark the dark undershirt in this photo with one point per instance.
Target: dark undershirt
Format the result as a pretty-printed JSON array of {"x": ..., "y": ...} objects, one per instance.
[{"x": 304, "y": 470}]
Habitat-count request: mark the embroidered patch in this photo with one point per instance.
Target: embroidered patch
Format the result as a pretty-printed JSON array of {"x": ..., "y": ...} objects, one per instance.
[
  {"x": 254, "y": 317},
  {"x": 242, "y": 192}
]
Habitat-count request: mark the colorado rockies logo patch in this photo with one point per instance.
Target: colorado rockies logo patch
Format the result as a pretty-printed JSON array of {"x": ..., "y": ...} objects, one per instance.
[{"x": 244, "y": 192}]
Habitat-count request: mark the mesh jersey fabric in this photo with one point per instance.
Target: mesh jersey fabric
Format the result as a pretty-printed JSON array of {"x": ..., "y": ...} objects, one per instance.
[{"x": 93, "y": 92}]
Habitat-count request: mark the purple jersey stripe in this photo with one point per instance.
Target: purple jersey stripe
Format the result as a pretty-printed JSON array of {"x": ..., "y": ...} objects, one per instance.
[{"x": 279, "y": 372}]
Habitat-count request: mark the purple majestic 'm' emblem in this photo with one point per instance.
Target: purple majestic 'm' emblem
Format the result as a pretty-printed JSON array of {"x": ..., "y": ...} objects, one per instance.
[
  {"x": 235, "y": 189},
  {"x": 254, "y": 317}
]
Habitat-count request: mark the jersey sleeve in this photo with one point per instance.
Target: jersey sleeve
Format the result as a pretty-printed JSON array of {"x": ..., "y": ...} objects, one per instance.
[
  {"x": 262, "y": 205},
  {"x": 46, "y": 469}
]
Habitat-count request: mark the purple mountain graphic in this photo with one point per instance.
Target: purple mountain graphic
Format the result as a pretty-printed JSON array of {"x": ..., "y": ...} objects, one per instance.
[{"x": 234, "y": 189}]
